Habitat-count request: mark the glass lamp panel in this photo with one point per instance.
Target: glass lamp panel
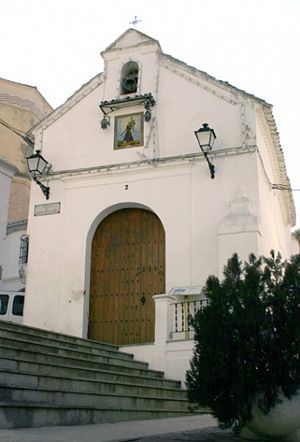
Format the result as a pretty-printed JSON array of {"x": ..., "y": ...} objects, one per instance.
[
  {"x": 32, "y": 163},
  {"x": 206, "y": 137},
  {"x": 41, "y": 166},
  {"x": 212, "y": 138},
  {"x": 36, "y": 164},
  {"x": 203, "y": 137}
]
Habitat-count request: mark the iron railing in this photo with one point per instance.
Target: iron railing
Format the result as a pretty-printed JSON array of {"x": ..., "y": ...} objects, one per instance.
[{"x": 182, "y": 312}]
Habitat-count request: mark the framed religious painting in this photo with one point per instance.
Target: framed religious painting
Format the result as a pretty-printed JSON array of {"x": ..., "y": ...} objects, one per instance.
[{"x": 129, "y": 131}]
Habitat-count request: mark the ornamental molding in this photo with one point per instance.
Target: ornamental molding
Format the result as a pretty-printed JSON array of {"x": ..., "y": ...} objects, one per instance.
[
  {"x": 7, "y": 168},
  {"x": 203, "y": 83},
  {"x": 16, "y": 226},
  {"x": 22, "y": 103},
  {"x": 267, "y": 125},
  {"x": 79, "y": 95},
  {"x": 148, "y": 163},
  {"x": 221, "y": 89}
]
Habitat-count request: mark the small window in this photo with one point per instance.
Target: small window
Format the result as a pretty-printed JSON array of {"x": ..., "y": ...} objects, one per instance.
[
  {"x": 24, "y": 247},
  {"x": 129, "y": 78},
  {"x": 3, "y": 304},
  {"x": 18, "y": 305}
]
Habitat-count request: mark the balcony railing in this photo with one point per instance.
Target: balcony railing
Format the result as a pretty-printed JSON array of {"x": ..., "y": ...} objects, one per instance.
[{"x": 181, "y": 313}]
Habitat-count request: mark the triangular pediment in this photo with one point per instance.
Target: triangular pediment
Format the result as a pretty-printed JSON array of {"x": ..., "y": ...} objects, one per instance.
[{"x": 131, "y": 38}]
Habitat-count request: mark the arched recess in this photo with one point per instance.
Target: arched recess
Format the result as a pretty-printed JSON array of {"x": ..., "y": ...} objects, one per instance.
[
  {"x": 127, "y": 269},
  {"x": 129, "y": 78}
]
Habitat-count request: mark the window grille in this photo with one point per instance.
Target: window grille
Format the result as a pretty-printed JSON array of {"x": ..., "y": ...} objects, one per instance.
[{"x": 24, "y": 246}]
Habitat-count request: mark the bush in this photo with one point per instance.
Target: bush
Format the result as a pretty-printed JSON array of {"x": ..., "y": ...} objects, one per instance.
[{"x": 247, "y": 339}]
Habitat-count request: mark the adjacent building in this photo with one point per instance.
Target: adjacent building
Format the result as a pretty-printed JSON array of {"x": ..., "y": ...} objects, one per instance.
[{"x": 21, "y": 107}]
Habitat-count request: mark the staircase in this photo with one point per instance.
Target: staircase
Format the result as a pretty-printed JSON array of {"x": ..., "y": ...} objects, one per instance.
[{"x": 48, "y": 378}]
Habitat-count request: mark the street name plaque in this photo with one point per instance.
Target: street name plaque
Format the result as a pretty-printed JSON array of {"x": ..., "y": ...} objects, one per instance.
[{"x": 46, "y": 209}]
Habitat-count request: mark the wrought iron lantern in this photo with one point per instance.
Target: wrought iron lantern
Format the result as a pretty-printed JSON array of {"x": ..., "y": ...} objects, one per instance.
[
  {"x": 105, "y": 122},
  {"x": 37, "y": 166},
  {"x": 206, "y": 138}
]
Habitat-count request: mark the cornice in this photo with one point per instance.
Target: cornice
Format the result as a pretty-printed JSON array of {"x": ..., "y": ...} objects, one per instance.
[
  {"x": 16, "y": 226},
  {"x": 147, "y": 163},
  {"x": 268, "y": 127},
  {"x": 7, "y": 168},
  {"x": 195, "y": 75},
  {"x": 22, "y": 103},
  {"x": 146, "y": 40},
  {"x": 79, "y": 95}
]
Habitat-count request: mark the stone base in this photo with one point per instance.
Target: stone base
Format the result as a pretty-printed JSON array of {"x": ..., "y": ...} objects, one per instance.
[{"x": 282, "y": 422}]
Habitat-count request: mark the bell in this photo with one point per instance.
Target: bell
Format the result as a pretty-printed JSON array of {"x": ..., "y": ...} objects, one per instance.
[{"x": 129, "y": 84}]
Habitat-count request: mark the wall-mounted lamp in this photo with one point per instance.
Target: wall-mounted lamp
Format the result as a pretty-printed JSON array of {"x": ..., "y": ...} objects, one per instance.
[
  {"x": 147, "y": 115},
  {"x": 206, "y": 138},
  {"x": 105, "y": 122},
  {"x": 37, "y": 165}
]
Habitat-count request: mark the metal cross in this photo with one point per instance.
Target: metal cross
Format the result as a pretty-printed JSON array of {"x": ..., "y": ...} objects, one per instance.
[{"x": 135, "y": 21}]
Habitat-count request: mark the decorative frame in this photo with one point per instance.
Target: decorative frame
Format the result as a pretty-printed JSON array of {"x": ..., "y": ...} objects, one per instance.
[{"x": 129, "y": 131}]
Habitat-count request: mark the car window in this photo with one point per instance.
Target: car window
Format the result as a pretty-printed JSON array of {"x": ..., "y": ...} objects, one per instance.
[
  {"x": 18, "y": 305},
  {"x": 3, "y": 304}
]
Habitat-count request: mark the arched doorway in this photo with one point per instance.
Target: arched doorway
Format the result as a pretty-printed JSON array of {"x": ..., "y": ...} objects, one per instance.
[{"x": 127, "y": 269}]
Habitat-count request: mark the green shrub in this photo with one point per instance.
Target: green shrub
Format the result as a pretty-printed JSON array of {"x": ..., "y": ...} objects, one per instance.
[{"x": 247, "y": 339}]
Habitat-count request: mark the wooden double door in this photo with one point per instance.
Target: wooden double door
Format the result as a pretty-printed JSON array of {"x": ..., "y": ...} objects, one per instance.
[{"x": 127, "y": 269}]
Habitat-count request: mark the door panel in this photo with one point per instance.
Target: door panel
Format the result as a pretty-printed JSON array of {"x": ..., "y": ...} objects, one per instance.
[{"x": 127, "y": 269}]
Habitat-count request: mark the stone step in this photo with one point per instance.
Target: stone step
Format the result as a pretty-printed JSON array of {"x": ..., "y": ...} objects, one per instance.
[
  {"x": 82, "y": 345},
  {"x": 57, "y": 350},
  {"x": 13, "y": 378},
  {"x": 25, "y": 330},
  {"x": 108, "y": 401},
  {"x": 33, "y": 415},
  {"x": 30, "y": 356},
  {"x": 52, "y": 379},
  {"x": 85, "y": 373}
]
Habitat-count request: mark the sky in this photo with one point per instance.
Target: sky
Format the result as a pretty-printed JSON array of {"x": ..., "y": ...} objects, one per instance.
[{"x": 253, "y": 44}]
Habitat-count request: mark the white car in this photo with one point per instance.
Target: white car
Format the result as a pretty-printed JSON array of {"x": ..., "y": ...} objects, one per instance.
[{"x": 11, "y": 306}]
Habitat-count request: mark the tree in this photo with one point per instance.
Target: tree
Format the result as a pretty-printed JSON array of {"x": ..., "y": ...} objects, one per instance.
[{"x": 247, "y": 339}]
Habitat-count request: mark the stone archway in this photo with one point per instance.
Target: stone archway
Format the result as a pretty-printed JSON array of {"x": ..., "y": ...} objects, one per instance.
[{"x": 127, "y": 269}]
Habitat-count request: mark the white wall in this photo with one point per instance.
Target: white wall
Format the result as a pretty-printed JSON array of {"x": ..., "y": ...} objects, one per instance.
[
  {"x": 189, "y": 204},
  {"x": 275, "y": 227},
  {"x": 6, "y": 173},
  {"x": 205, "y": 220},
  {"x": 183, "y": 104}
]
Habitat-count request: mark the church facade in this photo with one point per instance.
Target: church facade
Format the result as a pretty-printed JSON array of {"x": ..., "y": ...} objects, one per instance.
[{"x": 134, "y": 223}]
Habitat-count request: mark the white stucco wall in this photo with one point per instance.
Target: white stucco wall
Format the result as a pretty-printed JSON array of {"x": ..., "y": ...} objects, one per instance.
[
  {"x": 7, "y": 171},
  {"x": 189, "y": 204},
  {"x": 205, "y": 220},
  {"x": 274, "y": 224},
  {"x": 183, "y": 104}
]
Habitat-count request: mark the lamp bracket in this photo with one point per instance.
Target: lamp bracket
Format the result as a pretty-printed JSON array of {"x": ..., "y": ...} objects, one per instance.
[
  {"x": 210, "y": 165},
  {"x": 44, "y": 189}
]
